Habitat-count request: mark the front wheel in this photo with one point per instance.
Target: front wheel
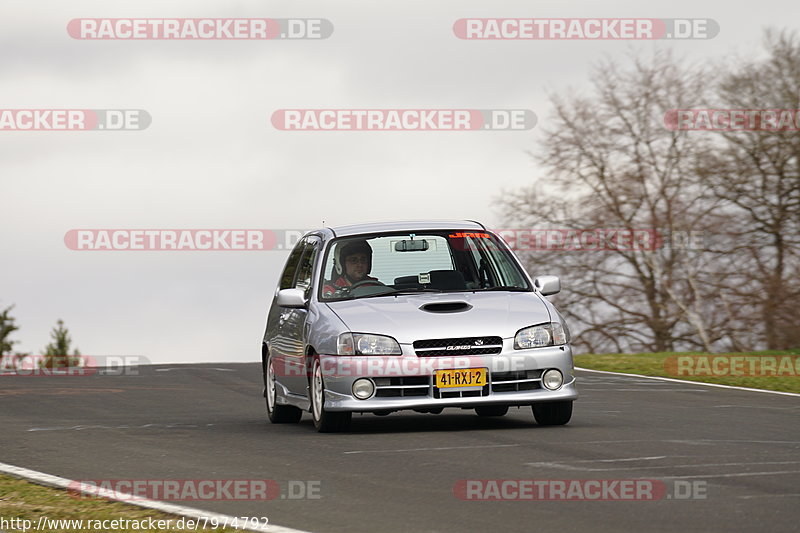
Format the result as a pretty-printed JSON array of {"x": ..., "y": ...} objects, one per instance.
[
  {"x": 325, "y": 421},
  {"x": 552, "y": 413},
  {"x": 278, "y": 414}
]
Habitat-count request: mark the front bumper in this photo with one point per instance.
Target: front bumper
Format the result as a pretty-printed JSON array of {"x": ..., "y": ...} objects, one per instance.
[{"x": 406, "y": 382}]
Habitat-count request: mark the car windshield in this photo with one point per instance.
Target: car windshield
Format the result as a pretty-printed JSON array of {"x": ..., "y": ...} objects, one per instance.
[{"x": 434, "y": 261}]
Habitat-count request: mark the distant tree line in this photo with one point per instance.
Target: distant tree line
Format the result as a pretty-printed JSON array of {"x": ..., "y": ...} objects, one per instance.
[
  {"x": 57, "y": 354},
  {"x": 610, "y": 161}
]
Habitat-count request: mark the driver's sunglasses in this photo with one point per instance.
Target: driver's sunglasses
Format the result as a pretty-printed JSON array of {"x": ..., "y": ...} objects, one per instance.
[{"x": 354, "y": 260}]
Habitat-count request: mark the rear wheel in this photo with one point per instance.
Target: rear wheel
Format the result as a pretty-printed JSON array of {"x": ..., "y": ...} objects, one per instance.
[
  {"x": 278, "y": 414},
  {"x": 491, "y": 410},
  {"x": 325, "y": 421},
  {"x": 552, "y": 413}
]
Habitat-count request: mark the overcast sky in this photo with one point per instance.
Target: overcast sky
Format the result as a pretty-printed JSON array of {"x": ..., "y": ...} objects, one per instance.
[{"x": 211, "y": 158}]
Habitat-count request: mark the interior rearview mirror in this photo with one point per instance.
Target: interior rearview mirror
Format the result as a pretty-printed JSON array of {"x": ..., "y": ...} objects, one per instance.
[{"x": 410, "y": 245}]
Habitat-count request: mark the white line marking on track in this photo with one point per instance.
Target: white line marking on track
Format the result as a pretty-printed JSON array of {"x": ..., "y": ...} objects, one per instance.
[
  {"x": 790, "y": 408},
  {"x": 738, "y": 474},
  {"x": 625, "y": 459},
  {"x": 192, "y": 368},
  {"x": 735, "y": 441},
  {"x": 702, "y": 442},
  {"x": 122, "y": 426},
  {"x": 750, "y": 497},
  {"x": 691, "y": 382},
  {"x": 660, "y": 467},
  {"x": 645, "y": 390},
  {"x": 434, "y": 449},
  {"x": 48, "y": 480}
]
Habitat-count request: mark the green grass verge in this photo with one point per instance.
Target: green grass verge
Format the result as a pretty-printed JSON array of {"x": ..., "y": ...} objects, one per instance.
[
  {"x": 663, "y": 364},
  {"x": 20, "y": 499}
]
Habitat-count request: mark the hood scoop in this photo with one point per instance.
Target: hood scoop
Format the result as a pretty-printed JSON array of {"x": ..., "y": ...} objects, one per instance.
[{"x": 446, "y": 307}]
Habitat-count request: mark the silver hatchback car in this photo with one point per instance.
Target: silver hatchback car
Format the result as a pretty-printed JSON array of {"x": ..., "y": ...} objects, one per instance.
[{"x": 377, "y": 318}]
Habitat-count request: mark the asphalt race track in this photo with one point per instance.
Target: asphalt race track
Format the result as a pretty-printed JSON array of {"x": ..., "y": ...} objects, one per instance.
[{"x": 738, "y": 449}]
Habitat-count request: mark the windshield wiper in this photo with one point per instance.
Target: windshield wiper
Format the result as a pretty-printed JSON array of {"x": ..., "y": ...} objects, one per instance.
[
  {"x": 413, "y": 291},
  {"x": 349, "y": 296},
  {"x": 503, "y": 288},
  {"x": 396, "y": 293}
]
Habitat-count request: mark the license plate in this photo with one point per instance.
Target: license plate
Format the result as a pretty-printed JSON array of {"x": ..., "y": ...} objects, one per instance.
[{"x": 462, "y": 377}]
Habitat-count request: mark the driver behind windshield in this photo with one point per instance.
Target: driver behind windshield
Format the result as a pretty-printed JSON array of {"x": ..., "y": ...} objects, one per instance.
[{"x": 353, "y": 266}]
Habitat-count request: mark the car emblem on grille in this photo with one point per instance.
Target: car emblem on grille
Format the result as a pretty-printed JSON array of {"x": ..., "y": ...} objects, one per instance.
[{"x": 479, "y": 342}]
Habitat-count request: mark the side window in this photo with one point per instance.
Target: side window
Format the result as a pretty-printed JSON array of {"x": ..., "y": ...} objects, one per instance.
[
  {"x": 507, "y": 275},
  {"x": 306, "y": 269},
  {"x": 494, "y": 266},
  {"x": 287, "y": 278},
  {"x": 486, "y": 272}
]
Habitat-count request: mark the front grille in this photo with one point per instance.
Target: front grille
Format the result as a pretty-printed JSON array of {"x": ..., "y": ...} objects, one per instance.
[
  {"x": 401, "y": 387},
  {"x": 521, "y": 380},
  {"x": 460, "y": 346}
]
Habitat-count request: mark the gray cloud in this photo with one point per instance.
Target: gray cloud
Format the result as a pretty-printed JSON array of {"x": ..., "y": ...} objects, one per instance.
[{"x": 212, "y": 159}]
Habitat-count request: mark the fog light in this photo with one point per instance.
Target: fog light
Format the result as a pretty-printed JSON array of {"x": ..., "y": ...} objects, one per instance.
[
  {"x": 363, "y": 388},
  {"x": 552, "y": 379}
]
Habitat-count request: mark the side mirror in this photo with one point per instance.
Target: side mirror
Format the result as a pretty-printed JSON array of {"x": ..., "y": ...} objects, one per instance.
[
  {"x": 292, "y": 298},
  {"x": 547, "y": 285}
]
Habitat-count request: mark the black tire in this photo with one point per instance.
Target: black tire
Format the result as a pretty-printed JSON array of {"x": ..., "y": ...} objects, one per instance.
[
  {"x": 491, "y": 410},
  {"x": 552, "y": 413},
  {"x": 277, "y": 414},
  {"x": 325, "y": 421}
]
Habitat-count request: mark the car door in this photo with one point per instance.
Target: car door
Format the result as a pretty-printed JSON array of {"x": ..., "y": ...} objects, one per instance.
[
  {"x": 295, "y": 323},
  {"x": 277, "y": 315}
]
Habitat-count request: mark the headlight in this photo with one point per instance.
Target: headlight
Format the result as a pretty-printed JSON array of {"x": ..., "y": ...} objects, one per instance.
[
  {"x": 551, "y": 334},
  {"x": 366, "y": 344}
]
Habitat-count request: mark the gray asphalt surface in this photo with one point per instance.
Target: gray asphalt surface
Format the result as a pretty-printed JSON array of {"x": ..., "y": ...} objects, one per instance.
[{"x": 397, "y": 473}]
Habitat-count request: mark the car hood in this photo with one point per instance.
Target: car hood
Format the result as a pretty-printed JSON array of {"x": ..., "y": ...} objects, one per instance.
[{"x": 489, "y": 314}]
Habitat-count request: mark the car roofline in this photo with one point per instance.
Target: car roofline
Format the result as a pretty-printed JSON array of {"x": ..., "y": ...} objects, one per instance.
[{"x": 404, "y": 225}]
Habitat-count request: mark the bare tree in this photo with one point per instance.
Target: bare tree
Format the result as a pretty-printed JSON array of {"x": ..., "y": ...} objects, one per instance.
[
  {"x": 612, "y": 163},
  {"x": 758, "y": 175}
]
